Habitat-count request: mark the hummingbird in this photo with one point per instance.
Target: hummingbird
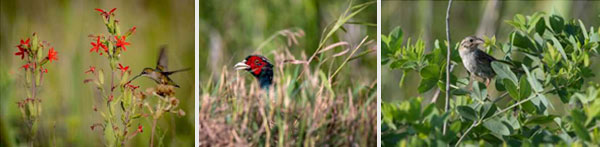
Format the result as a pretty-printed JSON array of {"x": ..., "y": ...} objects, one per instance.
[
  {"x": 159, "y": 74},
  {"x": 259, "y": 67}
]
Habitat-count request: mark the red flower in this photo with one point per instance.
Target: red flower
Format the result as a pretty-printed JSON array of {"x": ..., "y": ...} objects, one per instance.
[
  {"x": 104, "y": 13},
  {"x": 52, "y": 55},
  {"x": 92, "y": 70},
  {"x": 21, "y": 52},
  {"x": 140, "y": 129},
  {"x": 123, "y": 69},
  {"x": 97, "y": 45},
  {"x": 44, "y": 70},
  {"x": 133, "y": 87},
  {"x": 121, "y": 42},
  {"x": 26, "y": 66},
  {"x": 110, "y": 98},
  {"x": 132, "y": 30},
  {"x": 25, "y": 42}
]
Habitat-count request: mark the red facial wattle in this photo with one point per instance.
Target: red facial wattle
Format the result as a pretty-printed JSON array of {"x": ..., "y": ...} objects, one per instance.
[{"x": 256, "y": 64}]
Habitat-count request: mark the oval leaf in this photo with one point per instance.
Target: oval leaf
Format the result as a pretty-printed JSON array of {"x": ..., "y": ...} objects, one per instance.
[{"x": 467, "y": 112}]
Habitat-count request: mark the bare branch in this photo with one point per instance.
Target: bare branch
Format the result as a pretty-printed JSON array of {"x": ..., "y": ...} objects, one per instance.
[{"x": 447, "y": 105}]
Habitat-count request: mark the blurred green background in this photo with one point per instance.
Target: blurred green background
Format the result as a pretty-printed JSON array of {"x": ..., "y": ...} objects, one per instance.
[
  {"x": 67, "y": 101},
  {"x": 426, "y": 20},
  {"x": 230, "y": 30}
]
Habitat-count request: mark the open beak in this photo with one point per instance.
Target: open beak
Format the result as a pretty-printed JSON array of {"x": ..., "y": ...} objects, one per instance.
[{"x": 241, "y": 66}]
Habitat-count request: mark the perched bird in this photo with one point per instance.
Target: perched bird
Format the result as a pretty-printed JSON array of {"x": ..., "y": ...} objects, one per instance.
[
  {"x": 476, "y": 61},
  {"x": 160, "y": 74},
  {"x": 259, "y": 67}
]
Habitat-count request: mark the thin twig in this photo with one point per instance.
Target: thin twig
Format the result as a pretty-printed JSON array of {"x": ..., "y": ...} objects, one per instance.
[
  {"x": 153, "y": 128},
  {"x": 447, "y": 105},
  {"x": 475, "y": 123}
]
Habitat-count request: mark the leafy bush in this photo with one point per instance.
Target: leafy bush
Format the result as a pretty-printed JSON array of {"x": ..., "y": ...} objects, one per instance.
[{"x": 551, "y": 57}]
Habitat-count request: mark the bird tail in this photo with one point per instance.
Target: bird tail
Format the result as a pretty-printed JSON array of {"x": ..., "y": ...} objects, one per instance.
[{"x": 506, "y": 62}]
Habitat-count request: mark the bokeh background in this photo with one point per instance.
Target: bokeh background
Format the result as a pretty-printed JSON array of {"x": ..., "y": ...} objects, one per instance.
[
  {"x": 68, "y": 102},
  {"x": 230, "y": 30},
  {"x": 426, "y": 20}
]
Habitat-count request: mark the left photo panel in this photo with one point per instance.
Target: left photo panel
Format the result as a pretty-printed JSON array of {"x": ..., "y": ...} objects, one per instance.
[{"x": 97, "y": 73}]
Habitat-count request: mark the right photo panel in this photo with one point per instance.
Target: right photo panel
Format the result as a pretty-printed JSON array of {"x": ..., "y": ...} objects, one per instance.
[{"x": 490, "y": 73}]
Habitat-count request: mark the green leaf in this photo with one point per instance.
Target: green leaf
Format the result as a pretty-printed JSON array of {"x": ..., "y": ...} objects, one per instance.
[
  {"x": 512, "y": 89},
  {"x": 577, "y": 124},
  {"x": 540, "y": 26},
  {"x": 528, "y": 107},
  {"x": 541, "y": 119},
  {"x": 414, "y": 111},
  {"x": 389, "y": 112},
  {"x": 467, "y": 112},
  {"x": 488, "y": 110},
  {"x": 503, "y": 71},
  {"x": 522, "y": 41},
  {"x": 479, "y": 91},
  {"x": 559, "y": 47},
  {"x": 557, "y": 23},
  {"x": 524, "y": 88},
  {"x": 431, "y": 71},
  {"x": 535, "y": 84},
  {"x": 427, "y": 84},
  {"x": 496, "y": 126}
]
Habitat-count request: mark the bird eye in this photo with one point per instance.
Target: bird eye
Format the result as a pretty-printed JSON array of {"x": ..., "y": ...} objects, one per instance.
[{"x": 470, "y": 40}]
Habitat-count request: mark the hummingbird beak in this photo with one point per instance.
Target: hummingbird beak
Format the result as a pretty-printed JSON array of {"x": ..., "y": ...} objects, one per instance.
[
  {"x": 241, "y": 66},
  {"x": 134, "y": 77}
]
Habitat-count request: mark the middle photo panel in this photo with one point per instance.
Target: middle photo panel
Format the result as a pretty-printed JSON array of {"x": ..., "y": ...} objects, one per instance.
[{"x": 288, "y": 73}]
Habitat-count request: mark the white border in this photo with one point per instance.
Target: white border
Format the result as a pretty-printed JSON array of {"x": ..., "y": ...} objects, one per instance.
[
  {"x": 197, "y": 71},
  {"x": 378, "y": 73}
]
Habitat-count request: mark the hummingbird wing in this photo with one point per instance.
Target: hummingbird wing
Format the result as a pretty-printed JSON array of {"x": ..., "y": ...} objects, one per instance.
[
  {"x": 175, "y": 71},
  {"x": 162, "y": 59}
]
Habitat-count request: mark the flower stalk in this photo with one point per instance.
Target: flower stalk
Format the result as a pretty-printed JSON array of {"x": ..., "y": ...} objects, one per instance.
[{"x": 31, "y": 51}]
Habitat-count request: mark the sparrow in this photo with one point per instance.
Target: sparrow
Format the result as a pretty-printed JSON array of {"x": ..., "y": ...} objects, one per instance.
[
  {"x": 159, "y": 74},
  {"x": 259, "y": 67},
  {"x": 477, "y": 62}
]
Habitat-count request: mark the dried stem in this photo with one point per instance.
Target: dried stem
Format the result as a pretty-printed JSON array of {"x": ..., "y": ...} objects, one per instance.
[{"x": 153, "y": 129}]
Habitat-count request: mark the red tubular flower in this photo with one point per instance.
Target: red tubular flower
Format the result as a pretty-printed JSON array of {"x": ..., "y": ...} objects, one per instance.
[
  {"x": 97, "y": 45},
  {"x": 121, "y": 42},
  {"x": 26, "y": 66},
  {"x": 111, "y": 11},
  {"x": 25, "y": 42},
  {"x": 104, "y": 13},
  {"x": 92, "y": 70},
  {"x": 21, "y": 52},
  {"x": 133, "y": 87},
  {"x": 132, "y": 30},
  {"x": 52, "y": 55},
  {"x": 44, "y": 70},
  {"x": 140, "y": 129},
  {"x": 123, "y": 69},
  {"x": 110, "y": 98}
]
